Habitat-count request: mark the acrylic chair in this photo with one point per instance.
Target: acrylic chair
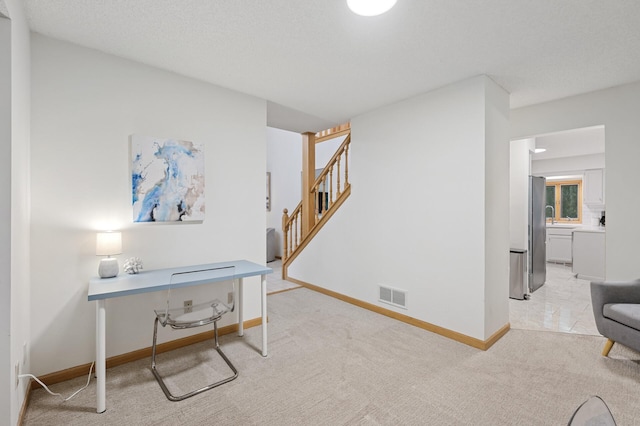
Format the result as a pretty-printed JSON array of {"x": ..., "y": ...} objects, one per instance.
[{"x": 201, "y": 314}]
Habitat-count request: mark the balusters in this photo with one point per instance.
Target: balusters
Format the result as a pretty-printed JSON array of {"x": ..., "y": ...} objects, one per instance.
[
  {"x": 331, "y": 185},
  {"x": 285, "y": 231},
  {"x": 321, "y": 205},
  {"x": 295, "y": 229},
  {"x": 338, "y": 177},
  {"x": 346, "y": 165},
  {"x": 290, "y": 229},
  {"x": 317, "y": 210}
]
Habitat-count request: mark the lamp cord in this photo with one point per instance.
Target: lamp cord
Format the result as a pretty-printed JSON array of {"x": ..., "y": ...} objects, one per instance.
[{"x": 57, "y": 394}]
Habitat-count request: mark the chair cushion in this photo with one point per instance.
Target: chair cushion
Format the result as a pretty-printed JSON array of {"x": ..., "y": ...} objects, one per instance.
[{"x": 624, "y": 313}]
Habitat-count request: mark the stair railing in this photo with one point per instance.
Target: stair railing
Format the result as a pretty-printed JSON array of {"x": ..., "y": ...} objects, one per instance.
[
  {"x": 325, "y": 189},
  {"x": 328, "y": 191},
  {"x": 292, "y": 230}
]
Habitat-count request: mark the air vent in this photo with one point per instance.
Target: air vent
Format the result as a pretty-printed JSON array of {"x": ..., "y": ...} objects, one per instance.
[{"x": 393, "y": 296}]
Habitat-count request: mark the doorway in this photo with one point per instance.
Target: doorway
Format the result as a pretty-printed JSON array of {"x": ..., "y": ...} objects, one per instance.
[{"x": 574, "y": 159}]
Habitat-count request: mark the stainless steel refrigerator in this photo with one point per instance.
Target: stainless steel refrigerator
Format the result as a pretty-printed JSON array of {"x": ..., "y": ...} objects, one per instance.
[{"x": 537, "y": 233}]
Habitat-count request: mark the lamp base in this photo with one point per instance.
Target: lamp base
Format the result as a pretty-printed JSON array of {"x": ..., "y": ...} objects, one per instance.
[{"x": 108, "y": 267}]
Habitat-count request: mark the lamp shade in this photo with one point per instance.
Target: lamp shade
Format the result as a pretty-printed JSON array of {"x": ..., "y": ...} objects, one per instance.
[
  {"x": 108, "y": 243},
  {"x": 370, "y": 7}
]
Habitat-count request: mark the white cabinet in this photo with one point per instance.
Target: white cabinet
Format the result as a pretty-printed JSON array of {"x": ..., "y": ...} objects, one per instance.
[
  {"x": 588, "y": 255},
  {"x": 559, "y": 245},
  {"x": 593, "y": 190}
]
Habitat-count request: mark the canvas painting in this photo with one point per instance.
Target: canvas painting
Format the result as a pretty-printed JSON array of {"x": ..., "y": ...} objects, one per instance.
[{"x": 167, "y": 180}]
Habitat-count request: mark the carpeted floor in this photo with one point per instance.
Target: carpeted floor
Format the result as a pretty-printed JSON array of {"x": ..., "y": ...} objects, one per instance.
[{"x": 331, "y": 363}]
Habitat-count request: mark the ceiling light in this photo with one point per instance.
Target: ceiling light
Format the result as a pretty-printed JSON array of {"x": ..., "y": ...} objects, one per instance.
[
  {"x": 370, "y": 7},
  {"x": 539, "y": 150}
]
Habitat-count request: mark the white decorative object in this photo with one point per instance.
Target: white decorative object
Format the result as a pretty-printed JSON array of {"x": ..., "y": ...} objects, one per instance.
[
  {"x": 108, "y": 244},
  {"x": 133, "y": 265}
]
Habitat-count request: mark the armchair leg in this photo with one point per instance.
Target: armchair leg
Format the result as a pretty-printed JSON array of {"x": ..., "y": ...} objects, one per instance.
[{"x": 607, "y": 347}]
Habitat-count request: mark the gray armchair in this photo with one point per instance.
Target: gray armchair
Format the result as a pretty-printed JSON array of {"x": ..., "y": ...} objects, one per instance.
[{"x": 616, "y": 308}]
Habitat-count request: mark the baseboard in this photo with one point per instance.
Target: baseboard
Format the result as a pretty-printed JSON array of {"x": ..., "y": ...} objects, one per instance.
[
  {"x": 83, "y": 370},
  {"x": 25, "y": 403},
  {"x": 445, "y": 332},
  {"x": 282, "y": 291}
]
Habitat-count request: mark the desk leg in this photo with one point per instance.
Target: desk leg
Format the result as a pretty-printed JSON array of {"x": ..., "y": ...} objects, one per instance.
[
  {"x": 240, "y": 303},
  {"x": 101, "y": 390},
  {"x": 263, "y": 278}
]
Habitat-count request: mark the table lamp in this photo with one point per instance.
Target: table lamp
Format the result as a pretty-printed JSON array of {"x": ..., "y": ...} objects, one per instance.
[{"x": 108, "y": 244}]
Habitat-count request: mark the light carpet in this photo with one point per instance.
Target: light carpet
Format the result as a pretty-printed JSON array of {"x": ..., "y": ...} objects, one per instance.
[{"x": 331, "y": 363}]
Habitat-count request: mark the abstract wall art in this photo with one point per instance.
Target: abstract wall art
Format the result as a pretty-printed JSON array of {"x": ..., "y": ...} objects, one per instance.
[{"x": 167, "y": 179}]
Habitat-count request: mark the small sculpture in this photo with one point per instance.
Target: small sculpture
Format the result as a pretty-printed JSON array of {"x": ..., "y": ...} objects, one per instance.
[{"x": 133, "y": 265}]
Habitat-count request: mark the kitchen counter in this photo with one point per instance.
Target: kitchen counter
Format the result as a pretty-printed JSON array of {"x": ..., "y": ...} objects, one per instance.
[
  {"x": 590, "y": 229},
  {"x": 579, "y": 245},
  {"x": 572, "y": 227},
  {"x": 589, "y": 253}
]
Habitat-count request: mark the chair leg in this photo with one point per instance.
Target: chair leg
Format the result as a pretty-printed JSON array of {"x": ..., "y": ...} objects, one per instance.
[
  {"x": 235, "y": 372},
  {"x": 166, "y": 391},
  {"x": 153, "y": 364},
  {"x": 607, "y": 347},
  {"x": 153, "y": 347}
]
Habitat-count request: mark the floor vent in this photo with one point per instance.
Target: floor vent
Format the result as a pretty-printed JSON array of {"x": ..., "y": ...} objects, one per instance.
[{"x": 393, "y": 296}]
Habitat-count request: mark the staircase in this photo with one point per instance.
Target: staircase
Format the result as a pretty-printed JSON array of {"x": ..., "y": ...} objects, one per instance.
[{"x": 322, "y": 196}]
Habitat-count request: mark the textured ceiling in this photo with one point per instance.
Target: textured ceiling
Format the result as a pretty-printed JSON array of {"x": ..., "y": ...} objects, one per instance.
[{"x": 317, "y": 63}]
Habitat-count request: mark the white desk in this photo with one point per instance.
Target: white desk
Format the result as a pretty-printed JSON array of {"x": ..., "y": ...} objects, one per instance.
[{"x": 101, "y": 289}]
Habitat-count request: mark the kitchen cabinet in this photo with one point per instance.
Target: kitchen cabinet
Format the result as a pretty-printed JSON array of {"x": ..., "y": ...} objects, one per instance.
[
  {"x": 589, "y": 254},
  {"x": 559, "y": 245},
  {"x": 593, "y": 190}
]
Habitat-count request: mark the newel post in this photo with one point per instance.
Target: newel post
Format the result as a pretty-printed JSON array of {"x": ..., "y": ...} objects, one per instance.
[
  {"x": 285, "y": 231},
  {"x": 308, "y": 177}
]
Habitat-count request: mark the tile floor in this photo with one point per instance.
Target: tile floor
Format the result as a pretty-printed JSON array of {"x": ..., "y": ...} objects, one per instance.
[
  {"x": 562, "y": 304},
  {"x": 275, "y": 283}
]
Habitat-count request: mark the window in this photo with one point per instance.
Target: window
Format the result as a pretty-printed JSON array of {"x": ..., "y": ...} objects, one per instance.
[{"x": 566, "y": 199}]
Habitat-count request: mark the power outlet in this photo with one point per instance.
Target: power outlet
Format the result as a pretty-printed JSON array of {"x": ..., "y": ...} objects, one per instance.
[
  {"x": 17, "y": 374},
  {"x": 230, "y": 297},
  {"x": 188, "y": 306}
]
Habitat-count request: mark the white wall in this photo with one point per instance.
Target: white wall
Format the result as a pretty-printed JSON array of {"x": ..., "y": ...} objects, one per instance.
[
  {"x": 496, "y": 208},
  {"x": 284, "y": 161},
  {"x": 85, "y": 106},
  {"x": 615, "y": 108},
  {"x": 6, "y": 390},
  {"x": 413, "y": 221},
  {"x": 15, "y": 248},
  {"x": 520, "y": 164}
]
